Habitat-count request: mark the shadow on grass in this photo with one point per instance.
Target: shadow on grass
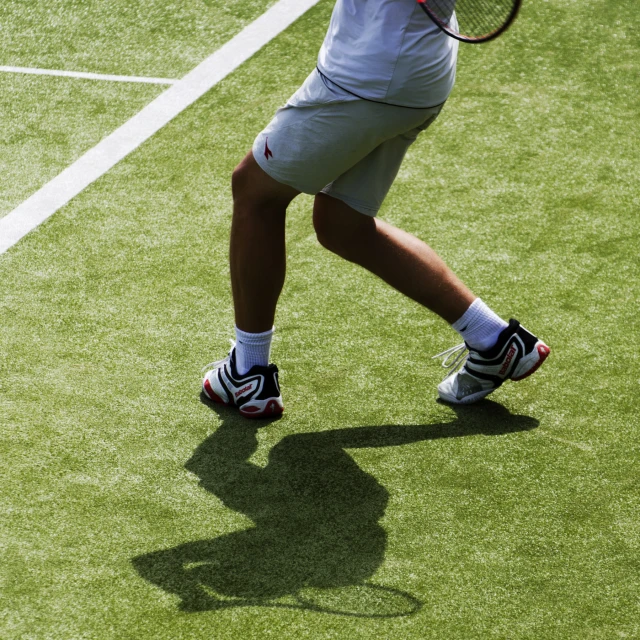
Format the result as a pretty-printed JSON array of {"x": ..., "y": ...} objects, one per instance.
[{"x": 317, "y": 537}]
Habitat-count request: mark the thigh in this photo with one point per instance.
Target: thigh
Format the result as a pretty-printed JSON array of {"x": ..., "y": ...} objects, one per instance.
[
  {"x": 324, "y": 132},
  {"x": 365, "y": 185},
  {"x": 251, "y": 184}
]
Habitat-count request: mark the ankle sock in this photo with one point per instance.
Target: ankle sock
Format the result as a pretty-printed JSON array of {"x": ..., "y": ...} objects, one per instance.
[
  {"x": 479, "y": 326},
  {"x": 252, "y": 349}
]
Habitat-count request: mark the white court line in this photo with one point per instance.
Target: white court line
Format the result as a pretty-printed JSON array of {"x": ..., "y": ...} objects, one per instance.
[
  {"x": 97, "y": 161},
  {"x": 87, "y": 75}
]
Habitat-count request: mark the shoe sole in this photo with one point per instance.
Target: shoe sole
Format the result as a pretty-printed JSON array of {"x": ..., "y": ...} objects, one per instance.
[
  {"x": 470, "y": 399},
  {"x": 256, "y": 409}
]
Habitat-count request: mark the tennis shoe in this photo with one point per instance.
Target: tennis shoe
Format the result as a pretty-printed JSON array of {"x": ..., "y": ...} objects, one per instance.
[
  {"x": 475, "y": 374},
  {"x": 256, "y": 393}
]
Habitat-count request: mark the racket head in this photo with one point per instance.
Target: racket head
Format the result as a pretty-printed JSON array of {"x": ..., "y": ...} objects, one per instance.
[{"x": 477, "y": 20}]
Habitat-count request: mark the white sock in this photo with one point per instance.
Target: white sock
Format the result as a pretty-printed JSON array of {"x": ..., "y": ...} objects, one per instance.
[
  {"x": 252, "y": 349},
  {"x": 479, "y": 326}
]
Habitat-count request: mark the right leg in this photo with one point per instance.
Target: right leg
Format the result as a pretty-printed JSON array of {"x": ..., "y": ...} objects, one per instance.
[
  {"x": 413, "y": 268},
  {"x": 399, "y": 258}
]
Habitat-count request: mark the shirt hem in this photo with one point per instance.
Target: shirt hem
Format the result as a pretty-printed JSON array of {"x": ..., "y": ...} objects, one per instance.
[{"x": 391, "y": 104}]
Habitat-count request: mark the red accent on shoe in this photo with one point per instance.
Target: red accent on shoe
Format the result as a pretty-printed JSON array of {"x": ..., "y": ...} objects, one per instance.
[
  {"x": 210, "y": 393},
  {"x": 267, "y": 152},
  {"x": 247, "y": 388},
  {"x": 508, "y": 359},
  {"x": 543, "y": 353},
  {"x": 272, "y": 409}
]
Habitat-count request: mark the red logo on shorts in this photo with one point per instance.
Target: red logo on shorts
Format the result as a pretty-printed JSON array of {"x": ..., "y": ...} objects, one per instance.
[{"x": 267, "y": 151}]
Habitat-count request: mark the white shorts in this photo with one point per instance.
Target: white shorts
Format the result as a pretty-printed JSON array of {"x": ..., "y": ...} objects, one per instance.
[{"x": 326, "y": 139}]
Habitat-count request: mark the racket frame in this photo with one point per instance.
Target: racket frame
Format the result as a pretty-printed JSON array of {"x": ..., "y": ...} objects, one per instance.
[{"x": 473, "y": 39}]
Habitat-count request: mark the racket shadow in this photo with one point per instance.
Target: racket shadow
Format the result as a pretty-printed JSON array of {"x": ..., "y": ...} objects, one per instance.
[{"x": 316, "y": 540}]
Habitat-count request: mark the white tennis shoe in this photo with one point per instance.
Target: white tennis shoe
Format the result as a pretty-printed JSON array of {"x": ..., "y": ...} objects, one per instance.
[
  {"x": 255, "y": 393},
  {"x": 475, "y": 374}
]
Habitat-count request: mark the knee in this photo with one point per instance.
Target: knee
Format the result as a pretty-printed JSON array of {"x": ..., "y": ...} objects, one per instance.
[
  {"x": 250, "y": 200},
  {"x": 327, "y": 232},
  {"x": 241, "y": 180},
  {"x": 337, "y": 226},
  {"x": 255, "y": 192}
]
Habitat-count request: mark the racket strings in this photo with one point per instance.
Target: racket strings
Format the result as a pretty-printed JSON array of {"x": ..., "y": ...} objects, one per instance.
[{"x": 476, "y": 18}]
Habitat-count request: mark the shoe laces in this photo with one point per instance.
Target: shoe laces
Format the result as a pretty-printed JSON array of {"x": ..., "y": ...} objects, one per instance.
[
  {"x": 453, "y": 359},
  {"x": 218, "y": 363}
]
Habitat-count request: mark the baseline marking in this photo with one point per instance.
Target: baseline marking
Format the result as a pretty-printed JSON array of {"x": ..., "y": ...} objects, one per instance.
[
  {"x": 87, "y": 75},
  {"x": 107, "y": 153}
]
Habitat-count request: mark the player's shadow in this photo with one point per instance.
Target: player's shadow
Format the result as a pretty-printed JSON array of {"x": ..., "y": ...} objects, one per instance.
[{"x": 316, "y": 538}]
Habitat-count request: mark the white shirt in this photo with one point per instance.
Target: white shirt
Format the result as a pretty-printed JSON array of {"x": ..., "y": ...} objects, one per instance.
[{"x": 389, "y": 51}]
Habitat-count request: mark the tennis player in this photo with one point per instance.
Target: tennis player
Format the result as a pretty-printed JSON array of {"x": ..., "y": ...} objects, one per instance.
[{"x": 383, "y": 74}]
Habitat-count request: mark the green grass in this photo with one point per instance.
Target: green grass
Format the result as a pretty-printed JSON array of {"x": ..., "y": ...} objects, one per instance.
[
  {"x": 147, "y": 37},
  {"x": 517, "y": 518},
  {"x": 49, "y": 122}
]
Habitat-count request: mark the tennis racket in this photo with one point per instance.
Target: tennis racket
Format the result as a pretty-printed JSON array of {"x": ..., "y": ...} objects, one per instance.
[{"x": 476, "y": 20}]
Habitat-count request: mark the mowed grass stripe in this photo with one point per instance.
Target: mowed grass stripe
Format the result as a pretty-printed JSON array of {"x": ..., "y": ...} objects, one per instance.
[{"x": 97, "y": 161}]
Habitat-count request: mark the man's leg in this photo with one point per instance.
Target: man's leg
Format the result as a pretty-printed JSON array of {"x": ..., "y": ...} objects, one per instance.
[
  {"x": 497, "y": 351},
  {"x": 245, "y": 378},
  {"x": 257, "y": 251},
  {"x": 400, "y": 259}
]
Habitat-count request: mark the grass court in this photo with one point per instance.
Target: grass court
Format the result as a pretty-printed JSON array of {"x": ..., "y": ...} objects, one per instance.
[{"x": 131, "y": 509}]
